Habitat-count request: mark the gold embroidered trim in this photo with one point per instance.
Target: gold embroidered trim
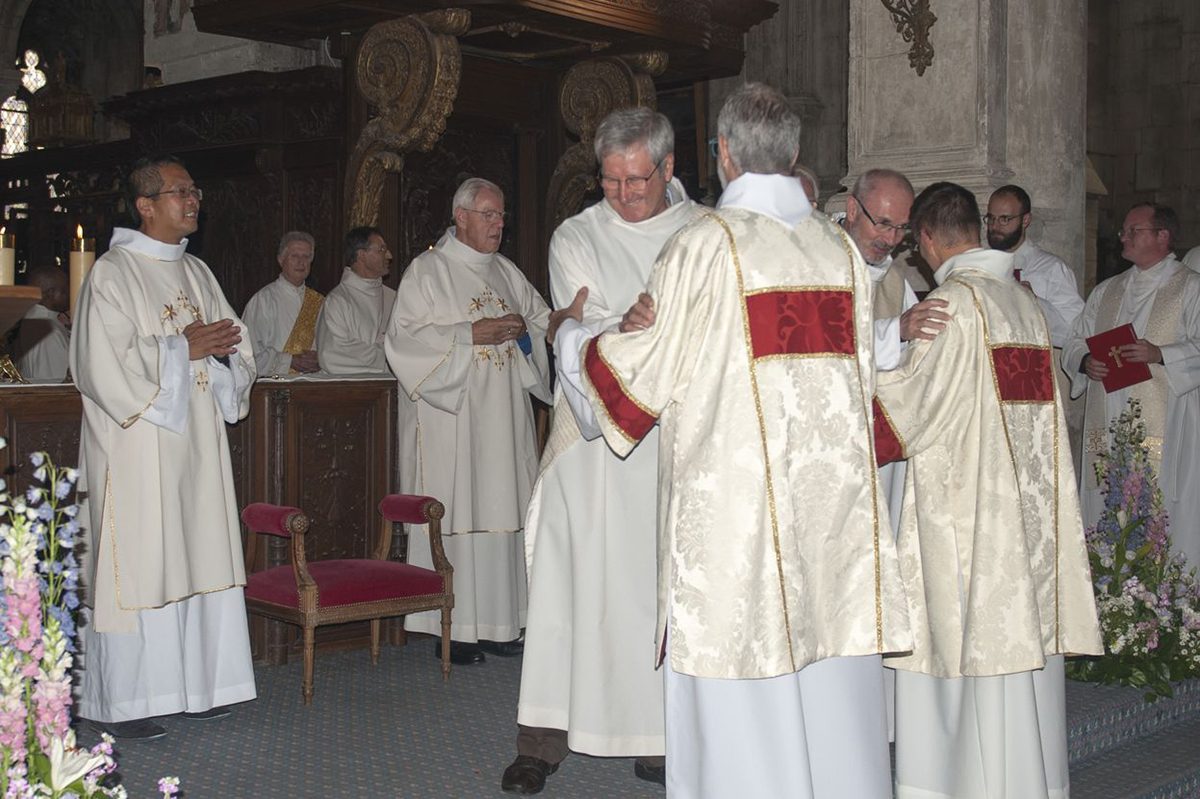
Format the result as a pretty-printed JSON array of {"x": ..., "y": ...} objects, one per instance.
[
  {"x": 798, "y": 290},
  {"x": 304, "y": 329},
  {"x": 787, "y": 356},
  {"x": 1012, "y": 455},
  {"x": 624, "y": 390},
  {"x": 872, "y": 470},
  {"x": 762, "y": 432}
]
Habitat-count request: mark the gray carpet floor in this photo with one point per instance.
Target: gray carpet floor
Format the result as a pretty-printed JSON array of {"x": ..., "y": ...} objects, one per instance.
[
  {"x": 393, "y": 730},
  {"x": 396, "y": 730}
]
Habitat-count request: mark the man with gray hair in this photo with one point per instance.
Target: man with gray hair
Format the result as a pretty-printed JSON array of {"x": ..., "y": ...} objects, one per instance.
[
  {"x": 282, "y": 316},
  {"x": 586, "y": 682},
  {"x": 466, "y": 340},
  {"x": 779, "y": 586}
]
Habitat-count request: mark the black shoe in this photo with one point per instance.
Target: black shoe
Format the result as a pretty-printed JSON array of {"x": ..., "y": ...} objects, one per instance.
[
  {"x": 461, "y": 653},
  {"x": 135, "y": 730},
  {"x": 212, "y": 714},
  {"x": 649, "y": 773},
  {"x": 504, "y": 649},
  {"x": 526, "y": 775}
]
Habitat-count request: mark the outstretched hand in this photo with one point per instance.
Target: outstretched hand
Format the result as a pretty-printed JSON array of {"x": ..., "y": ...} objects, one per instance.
[{"x": 572, "y": 311}]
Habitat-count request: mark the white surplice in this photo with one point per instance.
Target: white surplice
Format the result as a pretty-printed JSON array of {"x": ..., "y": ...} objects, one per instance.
[
  {"x": 764, "y": 569},
  {"x": 354, "y": 319},
  {"x": 590, "y": 537},
  {"x": 43, "y": 342},
  {"x": 466, "y": 427},
  {"x": 1054, "y": 286},
  {"x": 163, "y": 563},
  {"x": 1172, "y": 292},
  {"x": 991, "y": 545},
  {"x": 270, "y": 316}
]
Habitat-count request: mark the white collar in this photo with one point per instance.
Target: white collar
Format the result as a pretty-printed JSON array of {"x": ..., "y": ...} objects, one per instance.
[
  {"x": 139, "y": 242},
  {"x": 995, "y": 262},
  {"x": 780, "y": 197},
  {"x": 353, "y": 280},
  {"x": 286, "y": 284},
  {"x": 456, "y": 249}
]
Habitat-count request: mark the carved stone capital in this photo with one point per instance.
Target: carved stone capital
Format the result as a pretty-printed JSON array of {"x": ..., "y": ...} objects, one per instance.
[
  {"x": 408, "y": 69},
  {"x": 590, "y": 91}
]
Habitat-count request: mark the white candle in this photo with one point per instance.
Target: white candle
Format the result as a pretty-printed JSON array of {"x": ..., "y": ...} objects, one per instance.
[
  {"x": 82, "y": 256},
  {"x": 8, "y": 259}
]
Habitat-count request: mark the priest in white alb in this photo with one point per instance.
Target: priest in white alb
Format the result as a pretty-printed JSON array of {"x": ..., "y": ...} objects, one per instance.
[
  {"x": 467, "y": 344},
  {"x": 282, "y": 316},
  {"x": 586, "y": 682},
  {"x": 162, "y": 364},
  {"x": 991, "y": 542},
  {"x": 1160, "y": 297},
  {"x": 355, "y": 315},
  {"x": 778, "y": 582},
  {"x": 42, "y": 339}
]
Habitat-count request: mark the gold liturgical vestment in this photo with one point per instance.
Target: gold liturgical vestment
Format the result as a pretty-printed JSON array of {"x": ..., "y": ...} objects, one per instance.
[
  {"x": 991, "y": 541},
  {"x": 774, "y": 546}
]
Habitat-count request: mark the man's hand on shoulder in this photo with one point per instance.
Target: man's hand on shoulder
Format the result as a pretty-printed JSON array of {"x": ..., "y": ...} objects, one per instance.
[
  {"x": 306, "y": 362},
  {"x": 497, "y": 330},
  {"x": 217, "y": 339},
  {"x": 924, "y": 320},
  {"x": 572, "y": 311},
  {"x": 640, "y": 315}
]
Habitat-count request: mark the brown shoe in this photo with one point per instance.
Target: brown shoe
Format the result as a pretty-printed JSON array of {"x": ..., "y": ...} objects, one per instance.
[{"x": 526, "y": 775}]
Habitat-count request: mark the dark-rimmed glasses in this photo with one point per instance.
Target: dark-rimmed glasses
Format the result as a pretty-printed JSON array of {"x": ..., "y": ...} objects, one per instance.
[
  {"x": 632, "y": 184},
  {"x": 903, "y": 230},
  {"x": 183, "y": 192}
]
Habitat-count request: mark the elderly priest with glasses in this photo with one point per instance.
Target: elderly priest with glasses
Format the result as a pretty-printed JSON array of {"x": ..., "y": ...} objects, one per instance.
[{"x": 467, "y": 342}]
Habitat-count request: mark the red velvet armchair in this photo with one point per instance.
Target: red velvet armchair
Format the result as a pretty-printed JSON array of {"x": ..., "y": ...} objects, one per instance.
[{"x": 337, "y": 591}]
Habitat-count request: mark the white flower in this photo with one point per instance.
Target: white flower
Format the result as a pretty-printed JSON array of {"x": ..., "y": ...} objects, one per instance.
[{"x": 68, "y": 765}]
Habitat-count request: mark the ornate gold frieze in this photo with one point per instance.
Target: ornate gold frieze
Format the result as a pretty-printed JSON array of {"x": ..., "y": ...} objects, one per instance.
[
  {"x": 408, "y": 70},
  {"x": 590, "y": 90}
]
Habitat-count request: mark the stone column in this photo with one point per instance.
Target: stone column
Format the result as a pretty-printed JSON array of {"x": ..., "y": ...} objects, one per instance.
[{"x": 1003, "y": 101}]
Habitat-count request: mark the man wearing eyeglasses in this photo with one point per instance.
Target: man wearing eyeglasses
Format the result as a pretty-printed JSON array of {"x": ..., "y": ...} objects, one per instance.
[
  {"x": 1160, "y": 297},
  {"x": 162, "y": 363},
  {"x": 467, "y": 341},
  {"x": 1051, "y": 281},
  {"x": 587, "y": 681},
  {"x": 877, "y": 221},
  {"x": 778, "y": 581},
  {"x": 355, "y": 314}
]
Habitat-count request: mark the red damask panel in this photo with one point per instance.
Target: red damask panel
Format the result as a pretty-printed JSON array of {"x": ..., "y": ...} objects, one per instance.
[
  {"x": 626, "y": 413},
  {"x": 1024, "y": 374},
  {"x": 816, "y": 322},
  {"x": 888, "y": 447}
]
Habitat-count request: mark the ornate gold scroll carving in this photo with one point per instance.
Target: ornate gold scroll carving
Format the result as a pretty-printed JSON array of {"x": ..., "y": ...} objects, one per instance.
[
  {"x": 913, "y": 19},
  {"x": 408, "y": 69},
  {"x": 590, "y": 90}
]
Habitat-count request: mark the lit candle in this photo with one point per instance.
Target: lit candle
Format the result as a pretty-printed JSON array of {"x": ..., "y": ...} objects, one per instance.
[
  {"x": 83, "y": 254},
  {"x": 8, "y": 258}
]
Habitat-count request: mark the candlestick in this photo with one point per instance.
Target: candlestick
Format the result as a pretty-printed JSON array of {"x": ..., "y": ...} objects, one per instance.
[
  {"x": 8, "y": 259},
  {"x": 82, "y": 256}
]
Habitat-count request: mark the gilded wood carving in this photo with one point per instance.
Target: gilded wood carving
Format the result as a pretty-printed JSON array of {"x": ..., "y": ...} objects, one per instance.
[
  {"x": 408, "y": 70},
  {"x": 590, "y": 90}
]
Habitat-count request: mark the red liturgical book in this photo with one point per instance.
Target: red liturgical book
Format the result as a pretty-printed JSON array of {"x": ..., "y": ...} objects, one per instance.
[{"x": 1121, "y": 373}]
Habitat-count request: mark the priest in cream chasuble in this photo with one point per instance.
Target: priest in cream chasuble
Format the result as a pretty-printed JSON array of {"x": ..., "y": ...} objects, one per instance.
[
  {"x": 163, "y": 561},
  {"x": 991, "y": 541},
  {"x": 778, "y": 582},
  {"x": 1160, "y": 297},
  {"x": 467, "y": 343}
]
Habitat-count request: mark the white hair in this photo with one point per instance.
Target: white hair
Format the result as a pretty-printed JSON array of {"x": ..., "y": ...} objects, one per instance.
[{"x": 468, "y": 190}]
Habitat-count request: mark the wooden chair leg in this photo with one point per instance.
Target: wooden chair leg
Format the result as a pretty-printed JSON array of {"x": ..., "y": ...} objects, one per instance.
[
  {"x": 307, "y": 685},
  {"x": 445, "y": 643},
  {"x": 374, "y": 641}
]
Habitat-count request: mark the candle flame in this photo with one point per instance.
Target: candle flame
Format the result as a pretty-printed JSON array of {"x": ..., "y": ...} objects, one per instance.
[
  {"x": 3, "y": 229},
  {"x": 79, "y": 231}
]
